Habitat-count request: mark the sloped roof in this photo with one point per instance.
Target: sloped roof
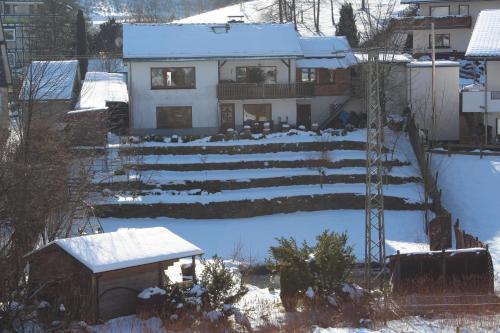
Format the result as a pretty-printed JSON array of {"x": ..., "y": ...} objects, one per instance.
[
  {"x": 485, "y": 41},
  {"x": 100, "y": 87},
  {"x": 326, "y": 52},
  {"x": 126, "y": 248},
  {"x": 49, "y": 80},
  {"x": 173, "y": 41}
]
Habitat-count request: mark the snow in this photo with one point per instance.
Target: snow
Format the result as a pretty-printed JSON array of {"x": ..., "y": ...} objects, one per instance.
[
  {"x": 131, "y": 324},
  {"x": 149, "y": 292},
  {"x": 309, "y": 293},
  {"x": 100, "y": 87},
  {"x": 49, "y": 80},
  {"x": 484, "y": 41},
  {"x": 471, "y": 187},
  {"x": 438, "y": 63},
  {"x": 126, "y": 248},
  {"x": 170, "y": 41},
  {"x": 386, "y": 57},
  {"x": 326, "y": 52},
  {"x": 410, "y": 192},
  {"x": 256, "y": 234}
]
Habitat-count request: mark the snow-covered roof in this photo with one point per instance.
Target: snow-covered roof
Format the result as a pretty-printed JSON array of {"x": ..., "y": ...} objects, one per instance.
[
  {"x": 126, "y": 248},
  {"x": 175, "y": 41},
  {"x": 100, "y": 87},
  {"x": 438, "y": 63},
  {"x": 49, "y": 80},
  {"x": 326, "y": 52},
  {"x": 484, "y": 41},
  {"x": 110, "y": 65}
]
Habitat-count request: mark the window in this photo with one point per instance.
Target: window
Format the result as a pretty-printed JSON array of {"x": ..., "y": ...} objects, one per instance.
[
  {"x": 442, "y": 41},
  {"x": 257, "y": 112},
  {"x": 256, "y": 74},
  {"x": 10, "y": 35},
  {"x": 326, "y": 76},
  {"x": 436, "y": 11},
  {"x": 8, "y": 9},
  {"x": 12, "y": 59},
  {"x": 174, "y": 117},
  {"x": 463, "y": 10},
  {"x": 308, "y": 75},
  {"x": 173, "y": 78}
]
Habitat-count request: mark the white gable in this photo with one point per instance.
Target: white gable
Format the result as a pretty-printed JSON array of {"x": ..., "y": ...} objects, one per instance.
[
  {"x": 49, "y": 80},
  {"x": 100, "y": 87},
  {"x": 173, "y": 41},
  {"x": 127, "y": 248},
  {"x": 485, "y": 41}
]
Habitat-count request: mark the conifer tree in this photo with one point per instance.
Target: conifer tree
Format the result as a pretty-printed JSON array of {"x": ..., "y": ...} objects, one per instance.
[
  {"x": 81, "y": 43},
  {"x": 347, "y": 25}
]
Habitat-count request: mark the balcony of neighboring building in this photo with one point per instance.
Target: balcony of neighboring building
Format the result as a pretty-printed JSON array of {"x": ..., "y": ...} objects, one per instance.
[{"x": 424, "y": 22}]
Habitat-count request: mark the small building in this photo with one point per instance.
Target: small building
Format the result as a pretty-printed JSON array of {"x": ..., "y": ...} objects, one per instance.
[
  {"x": 444, "y": 126},
  {"x": 51, "y": 86},
  {"x": 99, "y": 276},
  {"x": 480, "y": 110}
]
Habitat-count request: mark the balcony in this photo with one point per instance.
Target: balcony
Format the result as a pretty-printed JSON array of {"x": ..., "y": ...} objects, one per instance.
[
  {"x": 234, "y": 91},
  {"x": 424, "y": 22}
]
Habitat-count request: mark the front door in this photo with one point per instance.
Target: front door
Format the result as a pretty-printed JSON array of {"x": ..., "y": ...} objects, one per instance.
[
  {"x": 304, "y": 115},
  {"x": 226, "y": 116}
]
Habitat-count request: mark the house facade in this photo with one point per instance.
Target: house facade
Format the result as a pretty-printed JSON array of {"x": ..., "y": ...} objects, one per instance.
[
  {"x": 453, "y": 21},
  {"x": 206, "y": 78},
  {"x": 480, "y": 111}
]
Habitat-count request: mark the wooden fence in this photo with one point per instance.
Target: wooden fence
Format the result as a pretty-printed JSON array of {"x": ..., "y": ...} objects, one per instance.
[
  {"x": 439, "y": 228},
  {"x": 465, "y": 240}
]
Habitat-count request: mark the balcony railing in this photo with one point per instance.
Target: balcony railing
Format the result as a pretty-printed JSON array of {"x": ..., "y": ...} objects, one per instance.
[
  {"x": 230, "y": 91},
  {"x": 424, "y": 22}
]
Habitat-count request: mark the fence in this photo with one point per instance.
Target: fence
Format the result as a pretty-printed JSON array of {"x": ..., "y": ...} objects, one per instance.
[
  {"x": 465, "y": 240},
  {"x": 439, "y": 228}
]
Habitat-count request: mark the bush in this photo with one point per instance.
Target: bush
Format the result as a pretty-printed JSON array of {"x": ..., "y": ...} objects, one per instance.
[{"x": 221, "y": 285}]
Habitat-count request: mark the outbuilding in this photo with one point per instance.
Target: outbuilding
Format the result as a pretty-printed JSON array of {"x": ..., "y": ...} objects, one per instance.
[{"x": 99, "y": 276}]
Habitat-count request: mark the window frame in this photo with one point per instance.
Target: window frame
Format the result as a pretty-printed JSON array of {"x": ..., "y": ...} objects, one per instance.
[
  {"x": 165, "y": 108},
  {"x": 165, "y": 69},
  {"x": 432, "y": 7},
  {"x": 238, "y": 68},
  {"x": 311, "y": 72},
  {"x": 438, "y": 46},
  {"x": 13, "y": 32},
  {"x": 460, "y": 12},
  {"x": 267, "y": 105}
]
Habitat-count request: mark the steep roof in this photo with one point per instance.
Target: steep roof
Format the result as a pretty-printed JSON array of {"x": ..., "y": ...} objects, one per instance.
[
  {"x": 326, "y": 52},
  {"x": 49, "y": 80},
  {"x": 484, "y": 41},
  {"x": 174, "y": 41},
  {"x": 100, "y": 87},
  {"x": 126, "y": 248}
]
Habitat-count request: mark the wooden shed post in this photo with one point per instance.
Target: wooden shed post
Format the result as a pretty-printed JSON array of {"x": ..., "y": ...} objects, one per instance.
[
  {"x": 193, "y": 266},
  {"x": 443, "y": 270}
]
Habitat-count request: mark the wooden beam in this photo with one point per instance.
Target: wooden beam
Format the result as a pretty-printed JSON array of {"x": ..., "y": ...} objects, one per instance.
[{"x": 193, "y": 266}]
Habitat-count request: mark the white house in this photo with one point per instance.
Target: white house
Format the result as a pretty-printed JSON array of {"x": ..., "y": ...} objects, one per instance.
[
  {"x": 481, "y": 103},
  {"x": 203, "y": 78},
  {"x": 453, "y": 20}
]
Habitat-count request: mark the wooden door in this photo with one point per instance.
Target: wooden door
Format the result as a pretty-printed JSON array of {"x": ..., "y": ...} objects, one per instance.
[
  {"x": 304, "y": 115},
  {"x": 227, "y": 116}
]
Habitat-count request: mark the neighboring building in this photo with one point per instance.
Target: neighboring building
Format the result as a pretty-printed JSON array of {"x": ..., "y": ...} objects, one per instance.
[
  {"x": 481, "y": 103},
  {"x": 99, "y": 276},
  {"x": 52, "y": 86},
  {"x": 453, "y": 21},
  {"x": 203, "y": 78},
  {"x": 16, "y": 16},
  {"x": 446, "y": 125},
  {"x": 5, "y": 84},
  {"x": 101, "y": 88}
]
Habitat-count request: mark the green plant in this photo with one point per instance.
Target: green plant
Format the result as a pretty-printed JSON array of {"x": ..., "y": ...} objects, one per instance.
[{"x": 221, "y": 285}]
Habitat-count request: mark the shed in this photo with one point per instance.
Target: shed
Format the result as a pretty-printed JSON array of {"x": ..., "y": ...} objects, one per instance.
[
  {"x": 99, "y": 276},
  {"x": 446, "y": 271}
]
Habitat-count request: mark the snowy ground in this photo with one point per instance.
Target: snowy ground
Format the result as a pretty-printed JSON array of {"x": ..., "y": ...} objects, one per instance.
[
  {"x": 253, "y": 236},
  {"x": 471, "y": 192}
]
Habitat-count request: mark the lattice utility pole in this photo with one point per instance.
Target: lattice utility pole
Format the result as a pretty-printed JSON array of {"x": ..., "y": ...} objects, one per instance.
[{"x": 374, "y": 204}]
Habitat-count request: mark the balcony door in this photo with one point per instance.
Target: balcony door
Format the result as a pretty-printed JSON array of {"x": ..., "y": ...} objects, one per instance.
[
  {"x": 227, "y": 116},
  {"x": 304, "y": 115}
]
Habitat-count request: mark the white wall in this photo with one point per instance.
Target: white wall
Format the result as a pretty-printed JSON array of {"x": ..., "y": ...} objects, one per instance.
[
  {"x": 447, "y": 100},
  {"x": 144, "y": 100},
  {"x": 493, "y": 75},
  {"x": 228, "y": 70}
]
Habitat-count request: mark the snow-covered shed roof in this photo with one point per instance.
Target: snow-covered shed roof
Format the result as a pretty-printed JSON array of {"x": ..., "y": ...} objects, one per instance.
[
  {"x": 126, "y": 248},
  {"x": 49, "y": 80},
  {"x": 326, "y": 52},
  {"x": 438, "y": 63},
  {"x": 100, "y": 87},
  {"x": 484, "y": 41},
  {"x": 231, "y": 40}
]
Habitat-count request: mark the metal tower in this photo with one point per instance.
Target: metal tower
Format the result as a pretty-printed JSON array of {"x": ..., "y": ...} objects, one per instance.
[{"x": 374, "y": 204}]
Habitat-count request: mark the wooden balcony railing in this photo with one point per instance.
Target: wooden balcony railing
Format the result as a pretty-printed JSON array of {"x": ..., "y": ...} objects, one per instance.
[
  {"x": 424, "y": 22},
  {"x": 231, "y": 91}
]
